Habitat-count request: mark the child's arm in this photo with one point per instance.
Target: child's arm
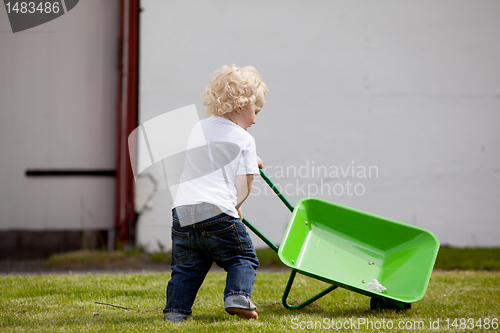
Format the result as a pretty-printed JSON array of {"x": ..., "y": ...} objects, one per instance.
[
  {"x": 243, "y": 187},
  {"x": 259, "y": 163}
]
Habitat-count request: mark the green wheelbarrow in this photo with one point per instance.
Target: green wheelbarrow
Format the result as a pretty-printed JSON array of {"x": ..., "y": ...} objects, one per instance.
[{"x": 348, "y": 248}]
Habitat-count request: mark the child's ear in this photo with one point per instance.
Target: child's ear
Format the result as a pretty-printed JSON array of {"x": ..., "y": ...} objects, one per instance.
[{"x": 237, "y": 109}]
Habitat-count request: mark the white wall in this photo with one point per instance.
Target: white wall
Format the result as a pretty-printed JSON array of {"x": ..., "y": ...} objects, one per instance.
[
  {"x": 58, "y": 111},
  {"x": 409, "y": 87}
]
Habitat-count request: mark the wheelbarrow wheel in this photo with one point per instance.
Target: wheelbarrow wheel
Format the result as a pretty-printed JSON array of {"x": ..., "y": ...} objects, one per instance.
[{"x": 378, "y": 303}]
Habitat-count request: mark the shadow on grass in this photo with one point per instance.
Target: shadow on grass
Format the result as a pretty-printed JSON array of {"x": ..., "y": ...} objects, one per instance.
[
  {"x": 277, "y": 310},
  {"x": 212, "y": 318},
  {"x": 357, "y": 311}
]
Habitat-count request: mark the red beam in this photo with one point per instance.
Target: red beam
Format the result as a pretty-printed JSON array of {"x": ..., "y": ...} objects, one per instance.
[{"x": 127, "y": 118}]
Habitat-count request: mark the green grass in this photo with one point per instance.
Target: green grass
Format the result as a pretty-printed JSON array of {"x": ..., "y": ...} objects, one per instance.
[
  {"x": 65, "y": 303},
  {"x": 468, "y": 258},
  {"x": 467, "y": 285},
  {"x": 86, "y": 258},
  {"x": 448, "y": 258}
]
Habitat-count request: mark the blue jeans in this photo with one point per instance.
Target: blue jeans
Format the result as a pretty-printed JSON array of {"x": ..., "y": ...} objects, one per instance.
[{"x": 222, "y": 239}]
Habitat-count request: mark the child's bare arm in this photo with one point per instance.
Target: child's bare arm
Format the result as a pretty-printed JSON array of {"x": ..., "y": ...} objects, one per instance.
[
  {"x": 243, "y": 187},
  {"x": 259, "y": 163}
]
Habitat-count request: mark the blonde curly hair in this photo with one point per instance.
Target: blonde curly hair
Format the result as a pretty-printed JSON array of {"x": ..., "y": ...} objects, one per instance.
[{"x": 232, "y": 87}]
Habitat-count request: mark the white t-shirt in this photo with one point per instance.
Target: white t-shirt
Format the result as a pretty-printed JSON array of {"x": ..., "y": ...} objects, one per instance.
[{"x": 218, "y": 150}]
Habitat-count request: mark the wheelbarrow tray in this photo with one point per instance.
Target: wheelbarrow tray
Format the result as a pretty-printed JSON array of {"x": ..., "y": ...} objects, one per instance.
[{"x": 348, "y": 248}]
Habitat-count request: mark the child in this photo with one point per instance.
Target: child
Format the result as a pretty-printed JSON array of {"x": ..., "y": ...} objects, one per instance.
[{"x": 220, "y": 164}]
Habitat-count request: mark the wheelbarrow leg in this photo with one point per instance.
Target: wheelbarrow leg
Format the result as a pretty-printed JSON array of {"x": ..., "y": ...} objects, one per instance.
[{"x": 307, "y": 302}]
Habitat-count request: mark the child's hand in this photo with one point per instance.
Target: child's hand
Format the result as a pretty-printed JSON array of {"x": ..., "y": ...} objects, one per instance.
[
  {"x": 240, "y": 213},
  {"x": 259, "y": 163}
]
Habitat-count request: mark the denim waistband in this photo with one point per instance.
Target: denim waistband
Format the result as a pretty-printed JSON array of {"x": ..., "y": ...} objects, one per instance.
[{"x": 198, "y": 215}]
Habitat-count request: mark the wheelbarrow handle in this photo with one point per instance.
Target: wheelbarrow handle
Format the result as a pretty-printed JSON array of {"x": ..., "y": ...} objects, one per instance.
[
  {"x": 278, "y": 193},
  {"x": 260, "y": 235},
  {"x": 255, "y": 230}
]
